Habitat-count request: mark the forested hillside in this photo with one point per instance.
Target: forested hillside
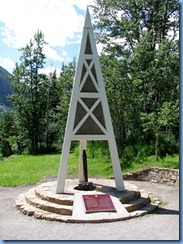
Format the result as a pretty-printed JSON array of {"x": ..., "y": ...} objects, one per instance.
[
  {"x": 5, "y": 87},
  {"x": 140, "y": 65}
]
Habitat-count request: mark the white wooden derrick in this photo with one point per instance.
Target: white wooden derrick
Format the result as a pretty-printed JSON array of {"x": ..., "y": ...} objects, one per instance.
[{"x": 89, "y": 117}]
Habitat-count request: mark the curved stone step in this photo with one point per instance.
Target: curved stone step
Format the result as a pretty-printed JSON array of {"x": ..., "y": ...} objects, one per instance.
[
  {"x": 129, "y": 196},
  {"x": 44, "y": 192},
  {"x": 27, "y": 209},
  {"x": 43, "y": 203},
  {"x": 42, "y": 214},
  {"x": 137, "y": 203},
  {"x": 144, "y": 210},
  {"x": 33, "y": 200},
  {"x": 24, "y": 206}
]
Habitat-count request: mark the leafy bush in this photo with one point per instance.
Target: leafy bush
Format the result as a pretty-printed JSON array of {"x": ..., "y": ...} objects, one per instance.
[
  {"x": 168, "y": 144},
  {"x": 98, "y": 149}
]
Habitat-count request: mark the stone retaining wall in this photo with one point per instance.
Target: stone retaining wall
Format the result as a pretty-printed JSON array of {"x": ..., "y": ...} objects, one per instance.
[{"x": 156, "y": 175}]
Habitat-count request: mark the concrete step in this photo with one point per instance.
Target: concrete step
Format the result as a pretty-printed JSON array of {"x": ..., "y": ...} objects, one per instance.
[{"x": 33, "y": 200}]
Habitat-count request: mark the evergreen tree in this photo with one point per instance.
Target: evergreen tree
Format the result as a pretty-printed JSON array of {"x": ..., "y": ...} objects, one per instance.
[
  {"x": 60, "y": 93},
  {"x": 8, "y": 139},
  {"x": 29, "y": 84}
]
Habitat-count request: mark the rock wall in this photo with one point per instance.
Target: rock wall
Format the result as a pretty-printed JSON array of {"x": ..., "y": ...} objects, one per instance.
[{"x": 156, "y": 175}]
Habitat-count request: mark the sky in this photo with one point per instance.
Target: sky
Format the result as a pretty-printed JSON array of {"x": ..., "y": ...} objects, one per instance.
[{"x": 61, "y": 22}]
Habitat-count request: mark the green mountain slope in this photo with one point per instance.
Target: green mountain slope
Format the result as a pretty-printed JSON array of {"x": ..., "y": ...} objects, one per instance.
[{"x": 5, "y": 87}]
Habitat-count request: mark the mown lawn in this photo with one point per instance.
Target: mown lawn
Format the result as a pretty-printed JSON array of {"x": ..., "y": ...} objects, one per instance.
[
  {"x": 24, "y": 169},
  {"x": 27, "y": 169}
]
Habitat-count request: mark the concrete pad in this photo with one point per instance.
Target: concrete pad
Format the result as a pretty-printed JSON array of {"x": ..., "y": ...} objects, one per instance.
[{"x": 79, "y": 214}]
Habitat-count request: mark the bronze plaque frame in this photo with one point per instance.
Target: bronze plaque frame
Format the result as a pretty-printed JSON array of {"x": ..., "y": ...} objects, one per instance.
[{"x": 98, "y": 203}]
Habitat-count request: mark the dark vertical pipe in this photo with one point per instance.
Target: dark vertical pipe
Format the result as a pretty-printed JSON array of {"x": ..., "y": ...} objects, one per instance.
[{"x": 85, "y": 166}]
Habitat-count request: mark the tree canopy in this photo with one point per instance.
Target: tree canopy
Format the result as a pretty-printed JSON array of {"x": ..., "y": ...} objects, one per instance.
[
  {"x": 140, "y": 62},
  {"x": 140, "y": 65}
]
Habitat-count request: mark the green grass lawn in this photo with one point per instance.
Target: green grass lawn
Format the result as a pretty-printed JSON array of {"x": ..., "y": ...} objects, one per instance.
[{"x": 26, "y": 169}]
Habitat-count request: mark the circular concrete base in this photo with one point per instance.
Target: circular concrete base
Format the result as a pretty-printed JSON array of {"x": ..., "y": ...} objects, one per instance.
[{"x": 43, "y": 203}]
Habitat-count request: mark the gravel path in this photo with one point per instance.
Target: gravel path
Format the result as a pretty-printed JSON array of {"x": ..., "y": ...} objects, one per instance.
[{"x": 161, "y": 225}]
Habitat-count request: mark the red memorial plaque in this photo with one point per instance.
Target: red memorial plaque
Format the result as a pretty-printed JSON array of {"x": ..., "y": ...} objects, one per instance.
[{"x": 98, "y": 203}]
